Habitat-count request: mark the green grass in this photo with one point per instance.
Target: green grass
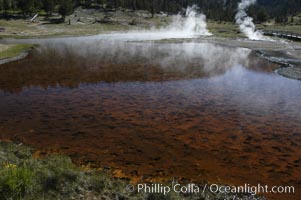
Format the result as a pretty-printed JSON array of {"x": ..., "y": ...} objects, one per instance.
[
  {"x": 224, "y": 29},
  {"x": 15, "y": 181},
  {"x": 23, "y": 177},
  {"x": 54, "y": 177},
  {"x": 24, "y": 29},
  {"x": 284, "y": 28},
  {"x": 14, "y": 50},
  {"x": 20, "y": 29}
]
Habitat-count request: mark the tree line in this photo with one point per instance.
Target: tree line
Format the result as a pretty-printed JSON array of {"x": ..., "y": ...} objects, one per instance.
[{"x": 222, "y": 10}]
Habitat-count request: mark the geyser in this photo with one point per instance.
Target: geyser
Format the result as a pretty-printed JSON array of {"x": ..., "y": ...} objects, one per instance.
[
  {"x": 193, "y": 24},
  {"x": 246, "y": 24}
]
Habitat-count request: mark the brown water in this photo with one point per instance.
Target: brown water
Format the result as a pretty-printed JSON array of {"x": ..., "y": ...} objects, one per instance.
[{"x": 156, "y": 111}]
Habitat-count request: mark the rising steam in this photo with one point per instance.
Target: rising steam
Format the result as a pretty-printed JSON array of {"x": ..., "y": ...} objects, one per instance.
[
  {"x": 246, "y": 24},
  {"x": 193, "y": 24}
]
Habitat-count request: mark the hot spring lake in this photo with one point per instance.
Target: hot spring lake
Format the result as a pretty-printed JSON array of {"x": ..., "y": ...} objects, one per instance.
[{"x": 156, "y": 110}]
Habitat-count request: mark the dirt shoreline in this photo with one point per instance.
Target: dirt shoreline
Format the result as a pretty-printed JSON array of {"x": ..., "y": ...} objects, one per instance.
[
  {"x": 13, "y": 59},
  {"x": 285, "y": 53},
  {"x": 14, "y": 52}
]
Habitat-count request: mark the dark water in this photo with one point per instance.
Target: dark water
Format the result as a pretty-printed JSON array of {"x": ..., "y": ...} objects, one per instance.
[{"x": 153, "y": 111}]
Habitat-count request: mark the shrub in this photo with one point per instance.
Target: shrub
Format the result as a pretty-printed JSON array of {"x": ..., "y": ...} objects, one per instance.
[{"x": 15, "y": 181}]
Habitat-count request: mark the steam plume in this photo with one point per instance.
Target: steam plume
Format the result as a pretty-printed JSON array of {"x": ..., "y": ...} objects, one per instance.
[
  {"x": 193, "y": 24},
  {"x": 246, "y": 24}
]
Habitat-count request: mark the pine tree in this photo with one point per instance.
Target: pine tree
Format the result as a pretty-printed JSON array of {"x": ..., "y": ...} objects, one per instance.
[
  {"x": 49, "y": 6},
  {"x": 66, "y": 8}
]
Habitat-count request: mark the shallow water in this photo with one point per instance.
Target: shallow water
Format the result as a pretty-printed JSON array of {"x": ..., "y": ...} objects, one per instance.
[{"x": 192, "y": 110}]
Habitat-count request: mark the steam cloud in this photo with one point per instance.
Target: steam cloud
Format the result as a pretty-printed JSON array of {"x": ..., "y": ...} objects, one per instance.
[
  {"x": 246, "y": 24},
  {"x": 193, "y": 24}
]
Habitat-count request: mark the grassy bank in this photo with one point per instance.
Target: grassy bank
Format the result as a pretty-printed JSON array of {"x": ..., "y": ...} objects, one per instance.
[
  {"x": 13, "y": 50},
  {"x": 92, "y": 22},
  {"x": 84, "y": 22},
  {"x": 23, "y": 29},
  {"x": 55, "y": 177},
  {"x": 224, "y": 29}
]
